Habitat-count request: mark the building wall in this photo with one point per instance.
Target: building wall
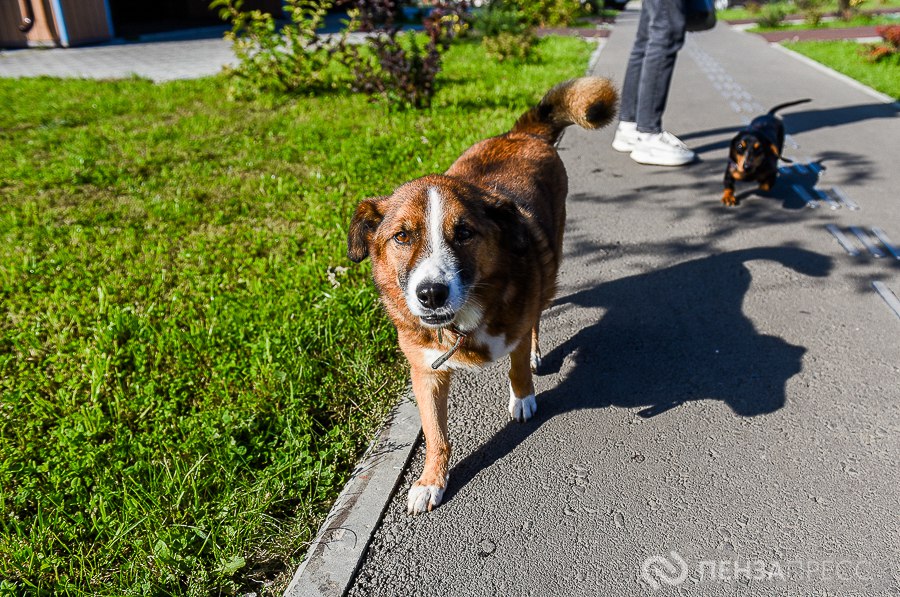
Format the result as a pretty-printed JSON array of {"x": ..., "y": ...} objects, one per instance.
[{"x": 86, "y": 21}]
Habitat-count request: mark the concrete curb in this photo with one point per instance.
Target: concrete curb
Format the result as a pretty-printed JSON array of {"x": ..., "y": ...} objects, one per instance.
[
  {"x": 334, "y": 556},
  {"x": 835, "y": 74}
]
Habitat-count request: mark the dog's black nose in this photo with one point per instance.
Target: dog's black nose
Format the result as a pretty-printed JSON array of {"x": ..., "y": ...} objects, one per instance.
[{"x": 433, "y": 295}]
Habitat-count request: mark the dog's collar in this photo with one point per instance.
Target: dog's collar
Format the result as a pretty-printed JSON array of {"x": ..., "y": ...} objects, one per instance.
[{"x": 446, "y": 356}]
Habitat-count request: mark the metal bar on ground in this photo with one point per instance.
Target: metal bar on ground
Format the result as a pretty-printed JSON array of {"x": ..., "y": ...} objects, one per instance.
[
  {"x": 827, "y": 199},
  {"x": 842, "y": 240},
  {"x": 866, "y": 241},
  {"x": 810, "y": 202},
  {"x": 884, "y": 240},
  {"x": 889, "y": 297},
  {"x": 850, "y": 203}
]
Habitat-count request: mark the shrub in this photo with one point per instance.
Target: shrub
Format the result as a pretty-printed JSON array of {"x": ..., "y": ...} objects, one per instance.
[
  {"x": 517, "y": 47},
  {"x": 812, "y": 11},
  {"x": 273, "y": 58},
  {"x": 891, "y": 46},
  {"x": 507, "y": 33},
  {"x": 890, "y": 34},
  {"x": 753, "y": 7},
  {"x": 401, "y": 67},
  {"x": 772, "y": 16},
  {"x": 545, "y": 13}
]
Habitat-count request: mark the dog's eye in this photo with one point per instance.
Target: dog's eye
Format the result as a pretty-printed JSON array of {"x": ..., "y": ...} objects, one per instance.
[
  {"x": 402, "y": 237},
  {"x": 462, "y": 234},
  {"x": 741, "y": 148}
]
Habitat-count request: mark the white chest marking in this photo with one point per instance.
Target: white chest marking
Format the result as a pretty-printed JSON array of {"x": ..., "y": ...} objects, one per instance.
[
  {"x": 496, "y": 345},
  {"x": 430, "y": 355}
]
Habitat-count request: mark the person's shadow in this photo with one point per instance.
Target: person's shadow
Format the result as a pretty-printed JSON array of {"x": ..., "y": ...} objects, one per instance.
[{"x": 666, "y": 337}]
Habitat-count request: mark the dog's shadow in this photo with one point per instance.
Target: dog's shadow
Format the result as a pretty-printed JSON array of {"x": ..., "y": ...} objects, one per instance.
[
  {"x": 666, "y": 338},
  {"x": 806, "y": 176}
]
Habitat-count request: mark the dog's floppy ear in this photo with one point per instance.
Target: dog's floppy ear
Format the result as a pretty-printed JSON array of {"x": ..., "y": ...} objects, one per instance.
[
  {"x": 510, "y": 222},
  {"x": 362, "y": 227},
  {"x": 732, "y": 150}
]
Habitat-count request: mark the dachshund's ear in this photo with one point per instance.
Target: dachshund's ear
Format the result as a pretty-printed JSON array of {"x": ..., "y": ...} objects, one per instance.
[
  {"x": 368, "y": 216},
  {"x": 732, "y": 150}
]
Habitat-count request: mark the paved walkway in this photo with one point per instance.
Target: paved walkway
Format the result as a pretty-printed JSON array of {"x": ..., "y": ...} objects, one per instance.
[
  {"x": 154, "y": 60},
  {"x": 721, "y": 386}
]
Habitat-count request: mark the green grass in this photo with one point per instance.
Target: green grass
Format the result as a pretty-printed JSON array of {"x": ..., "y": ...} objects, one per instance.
[
  {"x": 186, "y": 374},
  {"x": 857, "y": 21},
  {"x": 740, "y": 12},
  {"x": 847, "y": 57}
]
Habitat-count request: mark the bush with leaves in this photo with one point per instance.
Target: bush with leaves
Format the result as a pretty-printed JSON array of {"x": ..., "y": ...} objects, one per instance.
[
  {"x": 507, "y": 32},
  {"x": 275, "y": 58},
  {"x": 753, "y": 7},
  {"x": 401, "y": 67},
  {"x": 772, "y": 16},
  {"x": 550, "y": 13},
  {"x": 889, "y": 48},
  {"x": 812, "y": 11}
]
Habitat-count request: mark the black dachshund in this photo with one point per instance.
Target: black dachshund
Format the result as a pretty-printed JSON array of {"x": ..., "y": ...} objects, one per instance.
[{"x": 755, "y": 152}]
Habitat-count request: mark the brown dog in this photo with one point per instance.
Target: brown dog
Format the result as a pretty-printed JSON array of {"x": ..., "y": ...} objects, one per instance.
[{"x": 465, "y": 262}]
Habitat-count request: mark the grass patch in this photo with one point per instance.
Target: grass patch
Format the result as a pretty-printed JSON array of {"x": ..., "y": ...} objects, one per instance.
[
  {"x": 857, "y": 21},
  {"x": 186, "y": 375},
  {"x": 847, "y": 57},
  {"x": 740, "y": 12}
]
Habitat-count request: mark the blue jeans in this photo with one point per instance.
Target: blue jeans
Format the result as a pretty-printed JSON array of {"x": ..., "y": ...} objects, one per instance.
[{"x": 645, "y": 90}]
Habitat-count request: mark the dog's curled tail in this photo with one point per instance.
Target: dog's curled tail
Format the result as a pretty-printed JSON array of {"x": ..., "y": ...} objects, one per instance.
[{"x": 589, "y": 102}]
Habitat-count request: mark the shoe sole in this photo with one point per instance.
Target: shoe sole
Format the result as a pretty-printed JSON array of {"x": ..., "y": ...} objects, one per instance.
[
  {"x": 622, "y": 146},
  {"x": 650, "y": 160}
]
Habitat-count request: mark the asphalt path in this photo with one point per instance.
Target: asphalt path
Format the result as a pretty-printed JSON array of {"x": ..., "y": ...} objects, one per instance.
[{"x": 718, "y": 405}]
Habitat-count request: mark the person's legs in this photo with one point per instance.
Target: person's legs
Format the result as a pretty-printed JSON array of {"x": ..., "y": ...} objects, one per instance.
[
  {"x": 630, "y": 86},
  {"x": 665, "y": 36},
  {"x": 645, "y": 89}
]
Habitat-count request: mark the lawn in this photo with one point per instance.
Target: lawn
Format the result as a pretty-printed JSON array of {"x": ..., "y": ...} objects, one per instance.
[
  {"x": 847, "y": 57},
  {"x": 187, "y": 371},
  {"x": 857, "y": 21},
  {"x": 741, "y": 12}
]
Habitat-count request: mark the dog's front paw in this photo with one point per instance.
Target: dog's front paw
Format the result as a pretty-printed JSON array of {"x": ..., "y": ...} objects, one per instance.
[
  {"x": 423, "y": 498},
  {"x": 728, "y": 198},
  {"x": 522, "y": 409}
]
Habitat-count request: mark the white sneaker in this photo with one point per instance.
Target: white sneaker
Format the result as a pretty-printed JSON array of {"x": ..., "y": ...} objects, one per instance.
[
  {"x": 661, "y": 149},
  {"x": 626, "y": 136}
]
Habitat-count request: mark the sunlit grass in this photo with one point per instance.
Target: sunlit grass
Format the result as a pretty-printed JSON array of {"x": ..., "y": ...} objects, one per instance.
[
  {"x": 847, "y": 57},
  {"x": 187, "y": 373}
]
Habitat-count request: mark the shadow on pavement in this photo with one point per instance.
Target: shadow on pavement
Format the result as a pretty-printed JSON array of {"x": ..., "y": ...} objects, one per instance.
[
  {"x": 707, "y": 186},
  {"x": 802, "y": 121},
  {"x": 667, "y": 337},
  {"x": 796, "y": 123}
]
